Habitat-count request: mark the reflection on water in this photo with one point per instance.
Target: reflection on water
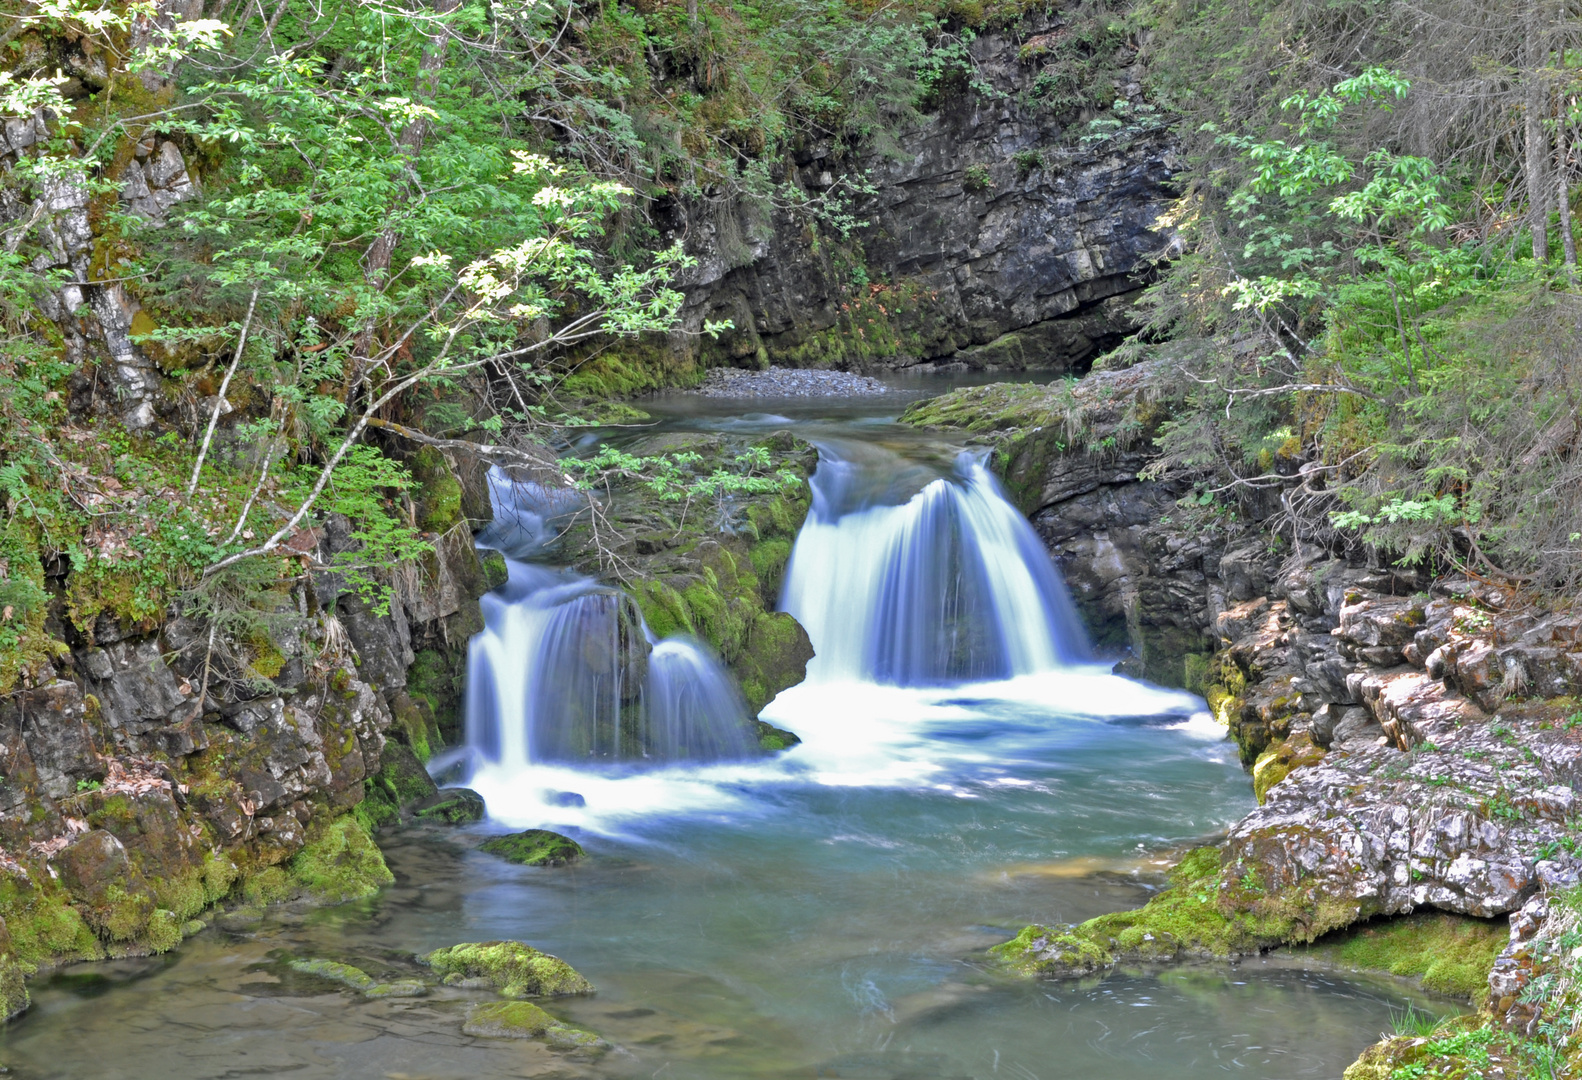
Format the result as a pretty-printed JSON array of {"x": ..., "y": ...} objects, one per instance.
[{"x": 822, "y": 914}]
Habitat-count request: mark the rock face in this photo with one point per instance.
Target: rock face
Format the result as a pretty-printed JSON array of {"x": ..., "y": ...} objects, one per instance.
[
  {"x": 164, "y": 770},
  {"x": 1004, "y": 242}
]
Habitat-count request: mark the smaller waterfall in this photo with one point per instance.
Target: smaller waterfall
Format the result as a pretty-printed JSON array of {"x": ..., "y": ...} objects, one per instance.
[
  {"x": 950, "y": 584},
  {"x": 565, "y": 671},
  {"x": 694, "y": 710}
]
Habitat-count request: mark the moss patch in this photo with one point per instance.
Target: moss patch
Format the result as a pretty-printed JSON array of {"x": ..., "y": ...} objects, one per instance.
[
  {"x": 1452, "y": 954},
  {"x": 451, "y": 806},
  {"x": 1207, "y": 912},
  {"x": 1281, "y": 759},
  {"x": 514, "y": 969},
  {"x": 342, "y": 863},
  {"x": 535, "y": 847}
]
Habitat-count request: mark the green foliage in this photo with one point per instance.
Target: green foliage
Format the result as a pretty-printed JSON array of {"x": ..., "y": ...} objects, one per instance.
[
  {"x": 977, "y": 180},
  {"x": 680, "y": 476}
]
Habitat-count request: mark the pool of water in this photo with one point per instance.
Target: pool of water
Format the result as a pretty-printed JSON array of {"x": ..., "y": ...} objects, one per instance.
[{"x": 824, "y": 913}]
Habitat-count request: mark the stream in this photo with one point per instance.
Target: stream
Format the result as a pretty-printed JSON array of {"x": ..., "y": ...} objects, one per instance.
[{"x": 823, "y": 912}]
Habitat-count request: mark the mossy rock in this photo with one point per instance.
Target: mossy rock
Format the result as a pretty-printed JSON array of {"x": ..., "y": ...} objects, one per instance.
[
  {"x": 357, "y": 979},
  {"x": 1056, "y": 953},
  {"x": 331, "y": 971},
  {"x": 400, "y": 784},
  {"x": 451, "y": 806},
  {"x": 341, "y": 863},
  {"x": 1451, "y": 954},
  {"x": 535, "y": 847},
  {"x": 773, "y": 739},
  {"x": 1281, "y": 759},
  {"x": 524, "y": 1020},
  {"x": 514, "y": 969},
  {"x": 1207, "y": 912}
]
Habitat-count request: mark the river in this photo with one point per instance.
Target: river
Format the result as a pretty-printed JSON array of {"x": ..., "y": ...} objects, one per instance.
[{"x": 824, "y": 912}]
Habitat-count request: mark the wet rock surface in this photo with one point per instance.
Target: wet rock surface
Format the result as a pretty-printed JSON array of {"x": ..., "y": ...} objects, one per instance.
[{"x": 1006, "y": 242}]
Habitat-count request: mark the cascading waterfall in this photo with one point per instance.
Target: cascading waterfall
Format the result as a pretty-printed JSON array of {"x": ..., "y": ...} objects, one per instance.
[
  {"x": 566, "y": 671},
  {"x": 950, "y": 585}
]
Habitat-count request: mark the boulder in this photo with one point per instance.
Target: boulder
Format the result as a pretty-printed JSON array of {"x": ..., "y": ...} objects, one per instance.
[
  {"x": 514, "y": 969},
  {"x": 535, "y": 847}
]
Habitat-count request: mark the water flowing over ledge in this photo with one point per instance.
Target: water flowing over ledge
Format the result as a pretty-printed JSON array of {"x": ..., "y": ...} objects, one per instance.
[{"x": 951, "y": 585}]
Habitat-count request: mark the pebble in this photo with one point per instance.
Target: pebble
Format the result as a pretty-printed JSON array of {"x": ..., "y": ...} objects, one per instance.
[{"x": 789, "y": 382}]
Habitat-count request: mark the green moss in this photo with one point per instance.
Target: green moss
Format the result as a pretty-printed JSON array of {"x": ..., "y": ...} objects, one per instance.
[
  {"x": 44, "y": 927},
  {"x": 162, "y": 932},
  {"x": 514, "y": 969},
  {"x": 508, "y": 1020},
  {"x": 122, "y": 914},
  {"x": 452, "y": 806},
  {"x": 1452, "y": 954},
  {"x": 535, "y": 847},
  {"x": 1038, "y": 950},
  {"x": 342, "y": 863},
  {"x": 400, "y": 783},
  {"x": 1279, "y": 760},
  {"x": 14, "y": 998},
  {"x": 330, "y": 971},
  {"x": 663, "y": 609},
  {"x": 438, "y": 492},
  {"x": 773, "y": 739},
  {"x": 269, "y": 885},
  {"x": 1206, "y": 912},
  {"x": 192, "y": 890}
]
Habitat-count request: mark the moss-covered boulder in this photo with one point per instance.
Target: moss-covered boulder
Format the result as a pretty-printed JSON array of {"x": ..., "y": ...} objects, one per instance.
[
  {"x": 535, "y": 847},
  {"x": 451, "y": 806},
  {"x": 1040, "y": 950},
  {"x": 773, "y": 739},
  {"x": 524, "y": 1020},
  {"x": 514, "y": 969}
]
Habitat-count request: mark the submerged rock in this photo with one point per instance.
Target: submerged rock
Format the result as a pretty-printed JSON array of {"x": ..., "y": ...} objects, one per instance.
[
  {"x": 1040, "y": 950},
  {"x": 359, "y": 980},
  {"x": 535, "y": 847},
  {"x": 514, "y": 969},
  {"x": 451, "y": 806},
  {"x": 524, "y": 1020}
]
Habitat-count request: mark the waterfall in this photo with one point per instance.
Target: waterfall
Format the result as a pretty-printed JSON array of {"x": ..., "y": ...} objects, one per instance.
[
  {"x": 565, "y": 671},
  {"x": 908, "y": 580},
  {"x": 694, "y": 710}
]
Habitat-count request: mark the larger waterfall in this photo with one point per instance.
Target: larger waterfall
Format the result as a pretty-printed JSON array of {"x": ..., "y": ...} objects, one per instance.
[{"x": 947, "y": 585}]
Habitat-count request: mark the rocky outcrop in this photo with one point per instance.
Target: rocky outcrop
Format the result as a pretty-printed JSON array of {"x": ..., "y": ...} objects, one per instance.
[
  {"x": 97, "y": 316},
  {"x": 162, "y": 770},
  {"x": 1001, "y": 240}
]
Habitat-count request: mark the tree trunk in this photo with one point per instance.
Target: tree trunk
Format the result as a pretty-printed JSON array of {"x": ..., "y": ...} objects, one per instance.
[
  {"x": 376, "y": 264},
  {"x": 1537, "y": 139},
  {"x": 1563, "y": 189}
]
